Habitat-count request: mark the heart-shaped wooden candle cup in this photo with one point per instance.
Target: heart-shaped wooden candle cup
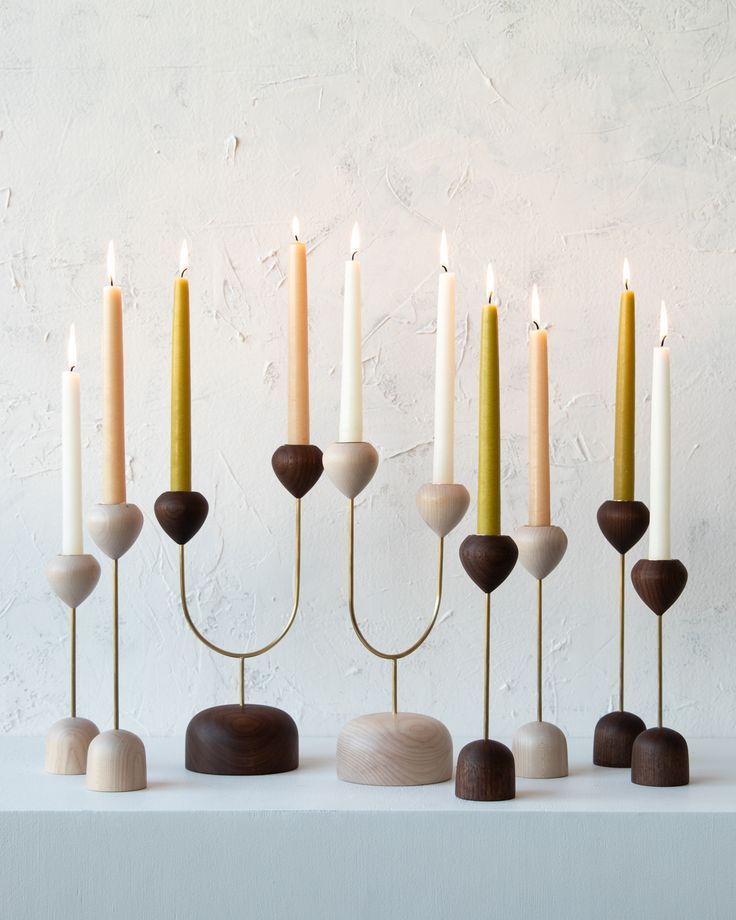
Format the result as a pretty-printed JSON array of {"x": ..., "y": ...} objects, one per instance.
[
  {"x": 659, "y": 582},
  {"x": 350, "y": 466},
  {"x": 442, "y": 505},
  {"x": 623, "y": 524},
  {"x": 488, "y": 559},
  {"x": 297, "y": 467},
  {"x": 181, "y": 514}
]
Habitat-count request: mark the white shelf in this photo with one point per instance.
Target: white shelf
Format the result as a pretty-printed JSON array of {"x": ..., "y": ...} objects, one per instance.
[{"x": 304, "y": 844}]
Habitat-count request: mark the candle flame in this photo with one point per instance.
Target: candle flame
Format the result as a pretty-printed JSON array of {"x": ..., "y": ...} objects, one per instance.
[
  {"x": 71, "y": 348},
  {"x": 443, "y": 251},
  {"x": 355, "y": 240},
  {"x": 627, "y": 274},
  {"x": 295, "y": 226},
  {"x": 183, "y": 257},
  {"x": 490, "y": 282},
  {"x": 110, "y": 261},
  {"x": 536, "y": 312},
  {"x": 663, "y": 323}
]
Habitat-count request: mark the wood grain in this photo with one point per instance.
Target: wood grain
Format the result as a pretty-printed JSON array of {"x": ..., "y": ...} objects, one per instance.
[
  {"x": 181, "y": 514},
  {"x": 485, "y": 772},
  {"x": 488, "y": 560},
  {"x": 540, "y": 751},
  {"x": 67, "y": 742},
  {"x": 350, "y": 465},
  {"x": 541, "y": 548},
  {"x": 659, "y": 582},
  {"x": 116, "y": 762},
  {"x": 394, "y": 749},
  {"x": 614, "y": 738},
  {"x": 442, "y": 506},
  {"x": 660, "y": 758},
  {"x": 236, "y": 740},
  {"x": 298, "y": 467},
  {"x": 623, "y": 523}
]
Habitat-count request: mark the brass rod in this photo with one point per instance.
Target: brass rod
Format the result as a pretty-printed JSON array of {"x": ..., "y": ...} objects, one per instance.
[
  {"x": 115, "y": 671},
  {"x": 242, "y": 681},
  {"x": 73, "y": 618},
  {"x": 539, "y": 650},
  {"x": 622, "y": 573},
  {"x": 659, "y": 670},
  {"x": 487, "y": 669},
  {"x": 394, "y": 685}
]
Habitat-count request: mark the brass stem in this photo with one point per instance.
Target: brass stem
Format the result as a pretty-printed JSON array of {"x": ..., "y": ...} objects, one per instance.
[
  {"x": 659, "y": 669},
  {"x": 487, "y": 670},
  {"x": 622, "y": 573},
  {"x": 388, "y": 656},
  {"x": 539, "y": 650},
  {"x": 73, "y": 617},
  {"x": 115, "y": 669},
  {"x": 394, "y": 685},
  {"x": 289, "y": 623}
]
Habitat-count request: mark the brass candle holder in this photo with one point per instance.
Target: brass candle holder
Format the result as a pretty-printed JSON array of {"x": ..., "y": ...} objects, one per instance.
[
  {"x": 242, "y": 739},
  {"x": 623, "y": 524},
  {"x": 660, "y": 755},
  {"x": 540, "y": 748},
  {"x": 116, "y": 760},
  {"x": 72, "y": 578},
  {"x": 393, "y": 748}
]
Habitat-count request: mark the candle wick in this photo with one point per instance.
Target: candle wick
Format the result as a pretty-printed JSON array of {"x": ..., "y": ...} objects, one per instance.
[
  {"x": 626, "y": 285},
  {"x": 183, "y": 270},
  {"x": 661, "y": 344},
  {"x": 352, "y": 257},
  {"x": 490, "y": 299},
  {"x": 535, "y": 324},
  {"x": 296, "y": 238},
  {"x": 444, "y": 267},
  {"x": 71, "y": 369},
  {"x": 111, "y": 284}
]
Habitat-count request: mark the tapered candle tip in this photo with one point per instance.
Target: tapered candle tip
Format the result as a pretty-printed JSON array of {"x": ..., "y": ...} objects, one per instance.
[
  {"x": 490, "y": 282},
  {"x": 183, "y": 257},
  {"x": 536, "y": 312},
  {"x": 71, "y": 348},
  {"x": 110, "y": 261},
  {"x": 295, "y": 227},
  {"x": 627, "y": 274},
  {"x": 355, "y": 240},
  {"x": 663, "y": 323},
  {"x": 443, "y": 251}
]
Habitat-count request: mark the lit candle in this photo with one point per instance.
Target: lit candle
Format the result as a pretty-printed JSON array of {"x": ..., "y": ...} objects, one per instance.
[
  {"x": 113, "y": 414},
  {"x": 444, "y": 379},
  {"x": 489, "y": 429},
  {"x": 181, "y": 386},
  {"x": 71, "y": 455},
  {"x": 623, "y": 458},
  {"x": 660, "y": 456},
  {"x": 298, "y": 341},
  {"x": 351, "y": 397},
  {"x": 539, "y": 510}
]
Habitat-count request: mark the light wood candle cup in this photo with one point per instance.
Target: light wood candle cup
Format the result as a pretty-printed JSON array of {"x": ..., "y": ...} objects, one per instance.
[
  {"x": 540, "y": 751},
  {"x": 73, "y": 578},
  {"x": 115, "y": 528},
  {"x": 116, "y": 762},
  {"x": 67, "y": 742},
  {"x": 540, "y": 548},
  {"x": 350, "y": 465},
  {"x": 442, "y": 505}
]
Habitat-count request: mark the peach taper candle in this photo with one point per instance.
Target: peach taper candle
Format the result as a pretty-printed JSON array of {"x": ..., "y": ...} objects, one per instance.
[
  {"x": 539, "y": 506},
  {"x": 113, "y": 415},
  {"x": 298, "y": 341}
]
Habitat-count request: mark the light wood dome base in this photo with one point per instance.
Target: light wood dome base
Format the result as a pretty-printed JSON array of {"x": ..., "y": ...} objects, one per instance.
[
  {"x": 116, "y": 762},
  {"x": 540, "y": 751},
  {"x": 67, "y": 742}
]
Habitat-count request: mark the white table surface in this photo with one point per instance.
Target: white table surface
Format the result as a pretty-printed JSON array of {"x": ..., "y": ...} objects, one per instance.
[{"x": 304, "y": 845}]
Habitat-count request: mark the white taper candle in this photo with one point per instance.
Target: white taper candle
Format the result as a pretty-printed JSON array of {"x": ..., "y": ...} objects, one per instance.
[
  {"x": 660, "y": 454},
  {"x": 444, "y": 382},
  {"x": 351, "y": 397},
  {"x": 71, "y": 456}
]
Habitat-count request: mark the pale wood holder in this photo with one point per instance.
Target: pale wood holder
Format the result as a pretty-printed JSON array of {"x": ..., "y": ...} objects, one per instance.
[
  {"x": 72, "y": 578},
  {"x": 394, "y": 748},
  {"x": 116, "y": 759},
  {"x": 540, "y": 748}
]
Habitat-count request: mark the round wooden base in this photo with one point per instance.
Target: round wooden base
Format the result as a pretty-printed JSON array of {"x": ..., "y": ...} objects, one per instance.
[
  {"x": 485, "y": 772},
  {"x": 394, "y": 749},
  {"x": 614, "y": 738},
  {"x": 660, "y": 758},
  {"x": 116, "y": 762},
  {"x": 236, "y": 740},
  {"x": 540, "y": 751},
  {"x": 66, "y": 746}
]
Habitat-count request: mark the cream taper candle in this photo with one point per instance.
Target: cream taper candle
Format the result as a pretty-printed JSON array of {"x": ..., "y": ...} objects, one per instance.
[
  {"x": 71, "y": 455},
  {"x": 113, "y": 413},
  {"x": 539, "y": 507},
  {"x": 660, "y": 454},
  {"x": 351, "y": 395},
  {"x": 444, "y": 380},
  {"x": 298, "y": 342}
]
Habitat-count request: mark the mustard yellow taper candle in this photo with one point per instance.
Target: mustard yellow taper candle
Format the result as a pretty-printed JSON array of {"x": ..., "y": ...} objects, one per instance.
[
  {"x": 623, "y": 456},
  {"x": 181, "y": 384},
  {"x": 489, "y": 428}
]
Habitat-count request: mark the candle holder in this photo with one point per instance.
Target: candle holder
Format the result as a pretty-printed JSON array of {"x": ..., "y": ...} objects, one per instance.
[
  {"x": 116, "y": 760},
  {"x": 660, "y": 755},
  {"x": 540, "y": 748},
  {"x": 242, "y": 739},
  {"x": 623, "y": 524},
  {"x": 485, "y": 769},
  {"x": 72, "y": 578},
  {"x": 393, "y": 748}
]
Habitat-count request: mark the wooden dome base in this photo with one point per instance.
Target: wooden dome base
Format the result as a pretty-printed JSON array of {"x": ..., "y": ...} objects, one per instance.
[
  {"x": 116, "y": 762},
  {"x": 394, "y": 749},
  {"x": 247, "y": 740},
  {"x": 614, "y": 738},
  {"x": 540, "y": 751},
  {"x": 485, "y": 772},
  {"x": 660, "y": 758},
  {"x": 67, "y": 742}
]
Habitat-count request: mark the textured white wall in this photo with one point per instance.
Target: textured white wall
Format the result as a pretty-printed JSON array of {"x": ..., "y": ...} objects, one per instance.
[{"x": 552, "y": 138}]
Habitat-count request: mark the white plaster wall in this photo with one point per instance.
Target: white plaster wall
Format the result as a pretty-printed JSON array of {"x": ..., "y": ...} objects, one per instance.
[{"x": 552, "y": 138}]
